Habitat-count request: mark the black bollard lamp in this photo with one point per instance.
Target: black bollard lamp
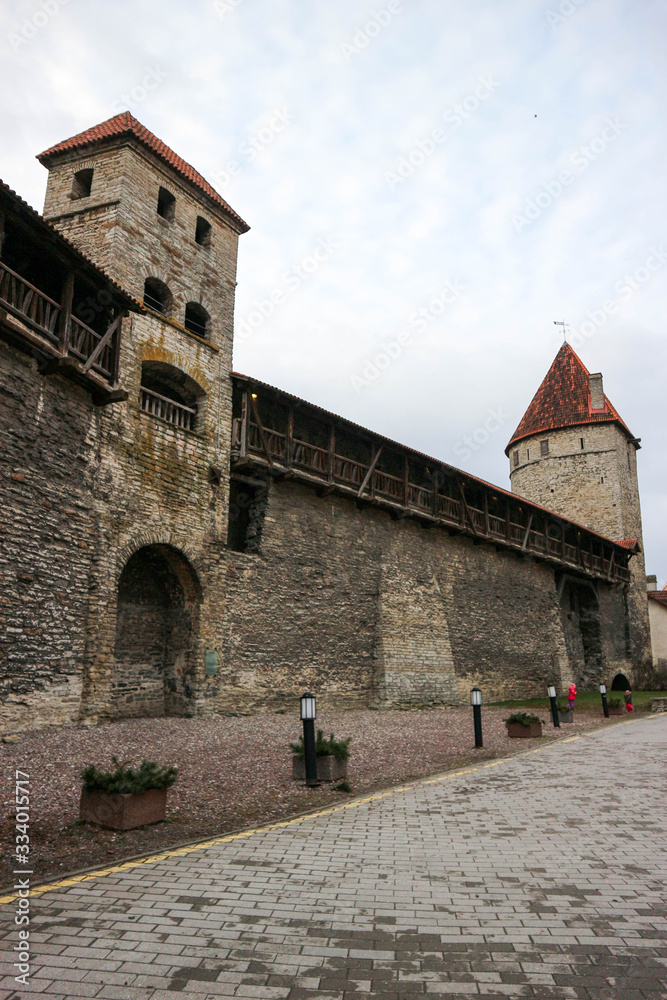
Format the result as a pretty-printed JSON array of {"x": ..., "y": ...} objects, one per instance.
[
  {"x": 308, "y": 716},
  {"x": 476, "y": 702}
]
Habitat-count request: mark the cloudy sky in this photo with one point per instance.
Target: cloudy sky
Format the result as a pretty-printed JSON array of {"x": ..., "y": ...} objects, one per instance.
[{"x": 430, "y": 184}]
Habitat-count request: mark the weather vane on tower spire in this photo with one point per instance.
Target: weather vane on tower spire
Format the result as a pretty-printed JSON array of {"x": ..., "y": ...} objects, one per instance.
[{"x": 565, "y": 325}]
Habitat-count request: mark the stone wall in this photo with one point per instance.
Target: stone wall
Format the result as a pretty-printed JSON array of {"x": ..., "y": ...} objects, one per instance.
[
  {"x": 658, "y": 618},
  {"x": 364, "y": 609},
  {"x": 48, "y": 535}
]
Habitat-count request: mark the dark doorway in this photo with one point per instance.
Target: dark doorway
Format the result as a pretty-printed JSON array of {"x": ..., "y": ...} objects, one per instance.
[
  {"x": 620, "y": 683},
  {"x": 157, "y": 628}
]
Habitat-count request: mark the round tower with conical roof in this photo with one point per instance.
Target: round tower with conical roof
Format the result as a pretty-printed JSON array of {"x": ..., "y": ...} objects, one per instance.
[{"x": 574, "y": 454}]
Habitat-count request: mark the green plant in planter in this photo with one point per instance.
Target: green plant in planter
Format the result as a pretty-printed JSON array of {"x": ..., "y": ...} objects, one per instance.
[
  {"x": 127, "y": 779},
  {"x": 522, "y": 718},
  {"x": 563, "y": 705},
  {"x": 615, "y": 701},
  {"x": 340, "y": 749}
]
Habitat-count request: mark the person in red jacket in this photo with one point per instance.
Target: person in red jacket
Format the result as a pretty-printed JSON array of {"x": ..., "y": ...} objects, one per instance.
[
  {"x": 628, "y": 701},
  {"x": 571, "y": 695}
]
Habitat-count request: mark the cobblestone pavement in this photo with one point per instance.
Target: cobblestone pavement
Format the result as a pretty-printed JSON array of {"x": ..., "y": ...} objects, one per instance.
[{"x": 541, "y": 875}]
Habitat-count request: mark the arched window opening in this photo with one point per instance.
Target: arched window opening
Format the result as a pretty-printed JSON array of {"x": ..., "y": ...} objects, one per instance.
[
  {"x": 168, "y": 393},
  {"x": 82, "y": 183},
  {"x": 203, "y": 232},
  {"x": 166, "y": 204},
  {"x": 157, "y": 296},
  {"x": 196, "y": 319}
]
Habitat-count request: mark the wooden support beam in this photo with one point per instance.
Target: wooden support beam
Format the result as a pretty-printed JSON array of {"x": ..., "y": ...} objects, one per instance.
[
  {"x": 262, "y": 435},
  {"x": 406, "y": 481},
  {"x": 526, "y": 537},
  {"x": 487, "y": 526},
  {"x": 332, "y": 453},
  {"x": 611, "y": 565},
  {"x": 244, "y": 425},
  {"x": 66, "y": 311},
  {"x": 465, "y": 507},
  {"x": 106, "y": 339},
  {"x": 507, "y": 519},
  {"x": 371, "y": 470},
  {"x": 289, "y": 437},
  {"x": 435, "y": 493}
]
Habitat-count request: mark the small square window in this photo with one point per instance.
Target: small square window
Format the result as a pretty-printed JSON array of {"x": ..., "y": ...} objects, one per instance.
[
  {"x": 166, "y": 204},
  {"x": 203, "y": 232},
  {"x": 82, "y": 183},
  {"x": 516, "y": 458},
  {"x": 544, "y": 447}
]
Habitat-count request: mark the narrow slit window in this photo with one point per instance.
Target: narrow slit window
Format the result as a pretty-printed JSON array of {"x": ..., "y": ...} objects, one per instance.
[
  {"x": 82, "y": 184},
  {"x": 516, "y": 458},
  {"x": 528, "y": 454},
  {"x": 203, "y": 232},
  {"x": 581, "y": 442},
  {"x": 166, "y": 204}
]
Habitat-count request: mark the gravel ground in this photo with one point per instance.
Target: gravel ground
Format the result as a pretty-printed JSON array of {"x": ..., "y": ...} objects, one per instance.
[{"x": 233, "y": 773}]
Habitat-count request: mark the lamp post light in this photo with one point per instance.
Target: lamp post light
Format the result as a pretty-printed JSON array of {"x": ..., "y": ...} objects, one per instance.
[
  {"x": 554, "y": 706},
  {"x": 308, "y": 716},
  {"x": 605, "y": 706},
  {"x": 476, "y": 702}
]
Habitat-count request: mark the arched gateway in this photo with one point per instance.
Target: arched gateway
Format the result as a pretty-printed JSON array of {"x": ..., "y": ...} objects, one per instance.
[{"x": 157, "y": 628}]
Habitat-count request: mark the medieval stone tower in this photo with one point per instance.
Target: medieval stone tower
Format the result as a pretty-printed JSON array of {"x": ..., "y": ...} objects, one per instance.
[
  {"x": 161, "y": 482},
  {"x": 574, "y": 454}
]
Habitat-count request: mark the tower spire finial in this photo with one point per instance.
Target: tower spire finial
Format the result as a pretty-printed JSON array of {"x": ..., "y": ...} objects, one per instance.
[{"x": 565, "y": 325}]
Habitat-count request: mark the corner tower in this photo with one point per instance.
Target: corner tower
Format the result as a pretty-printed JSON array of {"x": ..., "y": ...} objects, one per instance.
[{"x": 573, "y": 454}]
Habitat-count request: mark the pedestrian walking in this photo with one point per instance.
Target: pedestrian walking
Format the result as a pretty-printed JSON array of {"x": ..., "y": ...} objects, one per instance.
[
  {"x": 571, "y": 695},
  {"x": 628, "y": 701}
]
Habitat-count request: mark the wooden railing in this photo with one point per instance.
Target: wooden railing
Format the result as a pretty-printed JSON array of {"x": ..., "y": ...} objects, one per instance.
[
  {"x": 166, "y": 409},
  {"x": 82, "y": 343},
  {"x": 46, "y": 317},
  {"x": 320, "y": 463},
  {"x": 33, "y": 307}
]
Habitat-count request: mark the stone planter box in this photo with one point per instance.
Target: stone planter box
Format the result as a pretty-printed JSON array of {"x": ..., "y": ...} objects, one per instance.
[
  {"x": 328, "y": 768},
  {"x": 659, "y": 705},
  {"x": 616, "y": 711},
  {"x": 516, "y": 731},
  {"x": 566, "y": 716},
  {"x": 123, "y": 811}
]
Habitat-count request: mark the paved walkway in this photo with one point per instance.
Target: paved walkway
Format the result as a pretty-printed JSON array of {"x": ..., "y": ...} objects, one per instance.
[{"x": 537, "y": 876}]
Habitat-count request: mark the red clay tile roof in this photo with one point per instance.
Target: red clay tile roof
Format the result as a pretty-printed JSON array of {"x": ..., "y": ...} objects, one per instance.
[
  {"x": 126, "y": 124},
  {"x": 564, "y": 400},
  {"x": 658, "y": 595},
  {"x": 629, "y": 543}
]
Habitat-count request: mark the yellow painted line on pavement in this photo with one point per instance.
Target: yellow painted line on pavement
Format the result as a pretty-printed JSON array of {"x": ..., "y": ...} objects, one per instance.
[
  {"x": 178, "y": 852},
  {"x": 444, "y": 777}
]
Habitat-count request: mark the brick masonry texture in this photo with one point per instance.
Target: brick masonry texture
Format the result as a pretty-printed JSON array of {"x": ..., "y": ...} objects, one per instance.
[
  {"x": 123, "y": 596},
  {"x": 528, "y": 877}
]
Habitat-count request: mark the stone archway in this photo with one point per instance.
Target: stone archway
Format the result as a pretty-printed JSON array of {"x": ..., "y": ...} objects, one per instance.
[
  {"x": 157, "y": 628},
  {"x": 620, "y": 683}
]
